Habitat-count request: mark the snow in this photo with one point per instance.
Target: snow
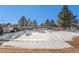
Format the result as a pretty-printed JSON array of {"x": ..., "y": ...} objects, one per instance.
[
  {"x": 35, "y": 37},
  {"x": 63, "y": 35},
  {"x": 53, "y": 39},
  {"x": 37, "y": 44},
  {"x": 11, "y": 36},
  {"x": 56, "y": 35}
]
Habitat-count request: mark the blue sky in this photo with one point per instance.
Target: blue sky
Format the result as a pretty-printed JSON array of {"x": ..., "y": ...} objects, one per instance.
[{"x": 12, "y": 13}]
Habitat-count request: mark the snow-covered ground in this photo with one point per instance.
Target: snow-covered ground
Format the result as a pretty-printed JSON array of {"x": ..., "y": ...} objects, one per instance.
[
  {"x": 42, "y": 39},
  {"x": 11, "y": 36}
]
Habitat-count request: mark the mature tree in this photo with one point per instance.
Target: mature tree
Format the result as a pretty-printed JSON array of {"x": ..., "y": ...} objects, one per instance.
[
  {"x": 8, "y": 24},
  {"x": 23, "y": 21},
  {"x": 42, "y": 25},
  {"x": 35, "y": 24},
  {"x": 66, "y": 18},
  {"x": 75, "y": 21},
  {"x": 28, "y": 22},
  {"x": 52, "y": 23},
  {"x": 47, "y": 23}
]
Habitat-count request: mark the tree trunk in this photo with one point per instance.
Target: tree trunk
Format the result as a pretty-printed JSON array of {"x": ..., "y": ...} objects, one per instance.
[{"x": 69, "y": 27}]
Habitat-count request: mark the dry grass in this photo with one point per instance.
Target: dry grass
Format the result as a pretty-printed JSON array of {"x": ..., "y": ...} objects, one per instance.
[
  {"x": 21, "y": 50},
  {"x": 74, "y": 49},
  {"x": 74, "y": 42}
]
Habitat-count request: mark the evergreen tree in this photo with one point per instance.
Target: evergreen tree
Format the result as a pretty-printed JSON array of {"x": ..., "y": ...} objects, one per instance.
[
  {"x": 35, "y": 24},
  {"x": 66, "y": 18},
  {"x": 75, "y": 21},
  {"x": 52, "y": 23},
  {"x": 23, "y": 22},
  {"x": 47, "y": 23},
  {"x": 29, "y": 22},
  {"x": 41, "y": 25},
  {"x": 8, "y": 24}
]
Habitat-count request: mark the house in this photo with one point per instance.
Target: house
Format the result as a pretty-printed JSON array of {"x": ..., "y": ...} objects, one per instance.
[{"x": 9, "y": 28}]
